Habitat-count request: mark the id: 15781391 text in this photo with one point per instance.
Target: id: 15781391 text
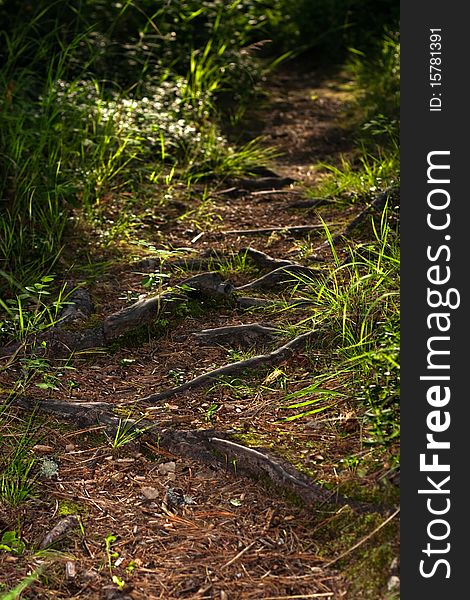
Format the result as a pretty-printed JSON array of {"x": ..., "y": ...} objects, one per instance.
[{"x": 435, "y": 69}]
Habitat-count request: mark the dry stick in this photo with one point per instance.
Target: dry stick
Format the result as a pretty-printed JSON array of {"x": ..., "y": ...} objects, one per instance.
[
  {"x": 232, "y": 369},
  {"x": 262, "y": 183},
  {"x": 270, "y": 192},
  {"x": 367, "y": 537},
  {"x": 241, "y": 553},
  {"x": 248, "y": 302},
  {"x": 300, "y": 596},
  {"x": 57, "y": 532}
]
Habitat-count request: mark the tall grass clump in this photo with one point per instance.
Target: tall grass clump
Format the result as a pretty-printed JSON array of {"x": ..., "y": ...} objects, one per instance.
[
  {"x": 377, "y": 77},
  {"x": 375, "y": 163},
  {"x": 356, "y": 312},
  {"x": 376, "y": 80},
  {"x": 17, "y": 476},
  {"x": 97, "y": 98},
  {"x": 357, "y": 305},
  {"x": 33, "y": 189}
]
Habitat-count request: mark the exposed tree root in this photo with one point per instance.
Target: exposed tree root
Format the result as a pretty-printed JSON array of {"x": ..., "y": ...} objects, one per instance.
[
  {"x": 207, "y": 284},
  {"x": 261, "y": 183},
  {"x": 207, "y": 446},
  {"x": 247, "y": 302},
  {"x": 272, "y": 358},
  {"x": 146, "y": 310},
  {"x": 78, "y": 309},
  {"x": 280, "y": 276},
  {"x": 142, "y": 312},
  {"x": 310, "y": 203},
  {"x": 264, "y": 261},
  {"x": 62, "y": 341},
  {"x": 264, "y": 195},
  {"x": 282, "y": 474},
  {"x": 293, "y": 230},
  {"x": 241, "y": 335},
  {"x": 377, "y": 205}
]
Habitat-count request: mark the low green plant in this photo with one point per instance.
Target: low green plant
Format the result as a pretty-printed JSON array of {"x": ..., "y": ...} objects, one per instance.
[
  {"x": 358, "y": 182},
  {"x": 356, "y": 309},
  {"x": 126, "y": 431},
  {"x": 376, "y": 77},
  {"x": 211, "y": 411},
  {"x": 29, "y": 312},
  {"x": 313, "y": 399},
  {"x": 12, "y": 543},
  {"x": 110, "y": 553},
  {"x": 215, "y": 157},
  {"x": 17, "y": 479},
  {"x": 16, "y": 592}
]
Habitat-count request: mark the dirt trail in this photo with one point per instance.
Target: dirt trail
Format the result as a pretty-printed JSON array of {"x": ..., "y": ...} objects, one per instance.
[
  {"x": 184, "y": 529},
  {"x": 305, "y": 120}
]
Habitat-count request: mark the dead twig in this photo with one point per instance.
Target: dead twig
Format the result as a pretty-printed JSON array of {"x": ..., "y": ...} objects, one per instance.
[
  {"x": 299, "y": 596},
  {"x": 239, "y": 555},
  {"x": 364, "y": 539}
]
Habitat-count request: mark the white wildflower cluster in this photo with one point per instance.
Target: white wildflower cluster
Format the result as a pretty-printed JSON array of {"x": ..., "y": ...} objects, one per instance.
[{"x": 161, "y": 117}]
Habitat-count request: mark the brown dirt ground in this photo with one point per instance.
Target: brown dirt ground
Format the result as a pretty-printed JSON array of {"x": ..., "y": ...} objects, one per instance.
[{"x": 236, "y": 538}]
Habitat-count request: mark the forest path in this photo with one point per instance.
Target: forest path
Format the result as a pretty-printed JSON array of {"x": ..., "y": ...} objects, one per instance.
[{"x": 169, "y": 526}]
